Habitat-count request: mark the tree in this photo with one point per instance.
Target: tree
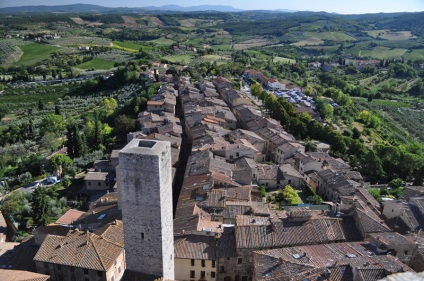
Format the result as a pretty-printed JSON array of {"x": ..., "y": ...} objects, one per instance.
[
  {"x": 372, "y": 167},
  {"x": 57, "y": 110},
  {"x": 419, "y": 176},
  {"x": 50, "y": 141},
  {"x": 4, "y": 110},
  {"x": 123, "y": 125},
  {"x": 75, "y": 141},
  {"x": 40, "y": 104},
  {"x": 110, "y": 105},
  {"x": 52, "y": 123},
  {"x": 41, "y": 207},
  {"x": 59, "y": 162},
  {"x": 291, "y": 195}
]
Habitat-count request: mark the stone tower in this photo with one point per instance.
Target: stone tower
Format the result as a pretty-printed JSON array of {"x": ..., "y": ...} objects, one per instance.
[{"x": 145, "y": 197}]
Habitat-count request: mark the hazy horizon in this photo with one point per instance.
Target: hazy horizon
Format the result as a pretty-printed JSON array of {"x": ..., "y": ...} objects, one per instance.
[{"x": 330, "y": 6}]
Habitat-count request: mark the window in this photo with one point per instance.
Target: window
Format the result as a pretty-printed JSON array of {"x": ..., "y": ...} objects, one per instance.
[
  {"x": 213, "y": 264},
  {"x": 239, "y": 260},
  {"x": 46, "y": 265},
  {"x": 59, "y": 267},
  {"x": 142, "y": 236},
  {"x": 99, "y": 273},
  {"x": 203, "y": 263},
  {"x": 202, "y": 274},
  {"x": 212, "y": 274},
  {"x": 237, "y": 154},
  {"x": 405, "y": 252},
  {"x": 221, "y": 268},
  {"x": 85, "y": 271},
  {"x": 192, "y": 274},
  {"x": 192, "y": 262},
  {"x": 89, "y": 183},
  {"x": 289, "y": 181},
  {"x": 99, "y": 183}
]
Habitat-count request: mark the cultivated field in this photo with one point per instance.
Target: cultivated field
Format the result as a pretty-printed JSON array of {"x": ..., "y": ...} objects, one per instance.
[
  {"x": 35, "y": 52},
  {"x": 80, "y": 21},
  {"x": 81, "y": 41},
  {"x": 381, "y": 53},
  {"x": 252, "y": 43},
  {"x": 183, "y": 59},
  {"x": 162, "y": 41},
  {"x": 309, "y": 41},
  {"x": 388, "y": 35},
  {"x": 9, "y": 52},
  {"x": 284, "y": 60},
  {"x": 96, "y": 64},
  {"x": 332, "y": 36},
  {"x": 416, "y": 54}
]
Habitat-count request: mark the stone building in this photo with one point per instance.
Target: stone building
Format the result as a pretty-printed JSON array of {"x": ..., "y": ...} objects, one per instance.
[
  {"x": 81, "y": 255},
  {"x": 145, "y": 197}
]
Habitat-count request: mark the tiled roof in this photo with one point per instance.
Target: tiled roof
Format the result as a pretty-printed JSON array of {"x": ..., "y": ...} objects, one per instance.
[
  {"x": 197, "y": 247},
  {"x": 23, "y": 255},
  {"x": 368, "y": 221},
  {"x": 79, "y": 249},
  {"x": 289, "y": 170},
  {"x": 20, "y": 275},
  {"x": 99, "y": 176},
  {"x": 289, "y": 233},
  {"x": 246, "y": 220},
  {"x": 226, "y": 244},
  {"x": 232, "y": 211},
  {"x": 70, "y": 216},
  {"x": 338, "y": 260},
  {"x": 267, "y": 172},
  {"x": 112, "y": 232}
]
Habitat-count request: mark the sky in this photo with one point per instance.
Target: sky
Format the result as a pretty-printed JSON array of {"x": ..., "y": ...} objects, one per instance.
[{"x": 331, "y": 6}]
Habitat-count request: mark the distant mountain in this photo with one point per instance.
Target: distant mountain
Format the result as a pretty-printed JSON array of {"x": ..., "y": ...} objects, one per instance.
[
  {"x": 74, "y": 8},
  {"x": 286, "y": 11},
  {"x": 219, "y": 8}
]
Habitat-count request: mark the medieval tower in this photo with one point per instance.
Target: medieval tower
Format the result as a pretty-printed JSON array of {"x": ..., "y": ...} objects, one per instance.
[{"x": 145, "y": 197}]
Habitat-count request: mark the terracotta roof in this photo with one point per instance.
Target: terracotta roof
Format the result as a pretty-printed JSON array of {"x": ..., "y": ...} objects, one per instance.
[
  {"x": 226, "y": 244},
  {"x": 160, "y": 102},
  {"x": 70, "y": 216},
  {"x": 337, "y": 260},
  {"x": 23, "y": 255},
  {"x": 21, "y": 275},
  {"x": 197, "y": 247},
  {"x": 99, "y": 176},
  {"x": 79, "y": 249},
  {"x": 287, "y": 233},
  {"x": 112, "y": 232}
]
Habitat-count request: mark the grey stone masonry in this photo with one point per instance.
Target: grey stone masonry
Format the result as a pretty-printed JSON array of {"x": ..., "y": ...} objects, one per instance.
[{"x": 145, "y": 197}]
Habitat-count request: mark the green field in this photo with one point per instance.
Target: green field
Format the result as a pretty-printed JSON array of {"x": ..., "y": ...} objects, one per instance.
[
  {"x": 96, "y": 64},
  {"x": 179, "y": 58},
  {"x": 129, "y": 46},
  {"x": 163, "y": 41},
  {"x": 382, "y": 53},
  {"x": 333, "y": 36},
  {"x": 416, "y": 54},
  {"x": 35, "y": 52},
  {"x": 284, "y": 60},
  {"x": 309, "y": 41},
  {"x": 388, "y": 35}
]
